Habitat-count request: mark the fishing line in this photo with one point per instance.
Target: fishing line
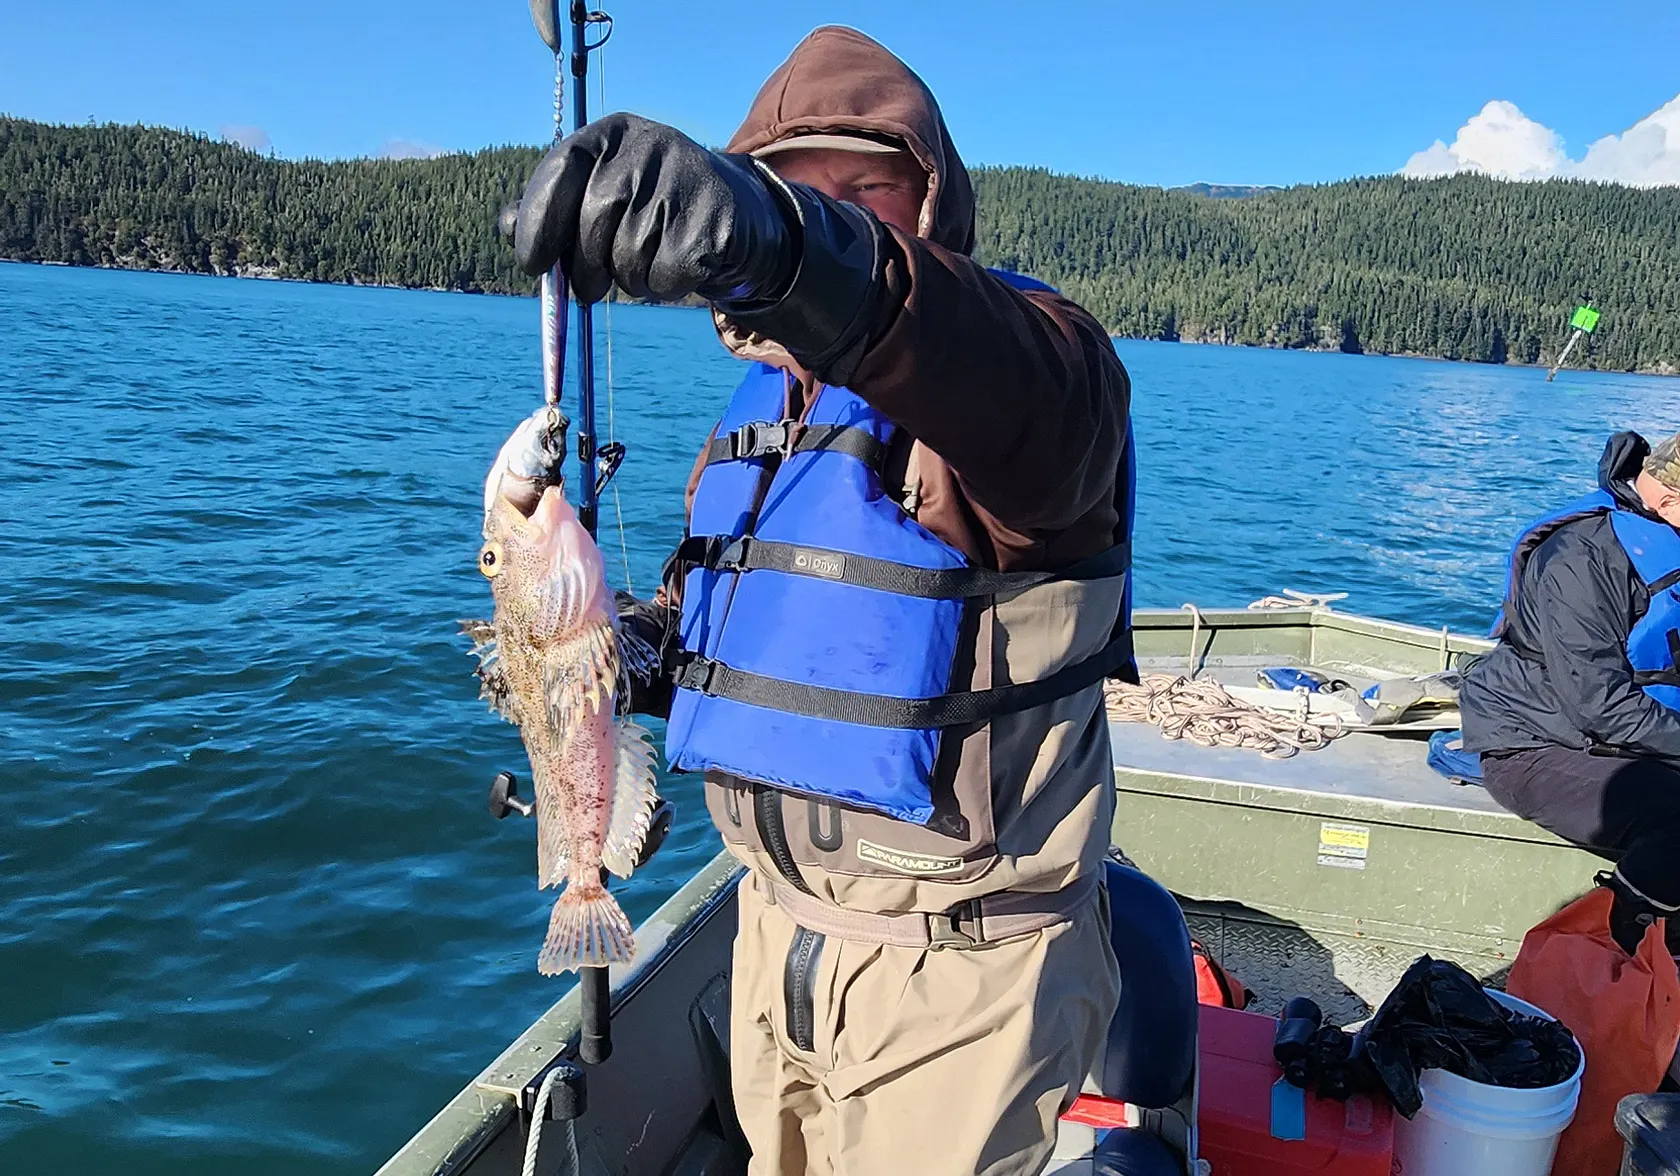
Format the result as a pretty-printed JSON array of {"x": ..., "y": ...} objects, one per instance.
[{"x": 607, "y": 305}]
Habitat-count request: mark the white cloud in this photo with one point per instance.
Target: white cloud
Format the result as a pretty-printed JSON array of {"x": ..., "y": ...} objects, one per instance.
[
  {"x": 1646, "y": 154},
  {"x": 250, "y": 138},
  {"x": 1502, "y": 141},
  {"x": 410, "y": 149},
  {"x": 1436, "y": 161}
]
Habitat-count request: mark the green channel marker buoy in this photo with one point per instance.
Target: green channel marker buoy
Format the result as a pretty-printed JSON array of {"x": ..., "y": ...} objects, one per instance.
[{"x": 1583, "y": 321}]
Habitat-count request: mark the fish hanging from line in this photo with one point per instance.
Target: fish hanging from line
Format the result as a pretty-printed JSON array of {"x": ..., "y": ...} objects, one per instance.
[{"x": 552, "y": 660}]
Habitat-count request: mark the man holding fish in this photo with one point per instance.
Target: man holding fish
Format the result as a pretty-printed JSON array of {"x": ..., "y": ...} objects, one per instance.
[{"x": 906, "y": 573}]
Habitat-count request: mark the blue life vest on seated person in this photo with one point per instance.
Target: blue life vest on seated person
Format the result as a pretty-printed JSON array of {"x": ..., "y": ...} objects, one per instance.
[
  {"x": 822, "y": 624},
  {"x": 1653, "y": 547}
]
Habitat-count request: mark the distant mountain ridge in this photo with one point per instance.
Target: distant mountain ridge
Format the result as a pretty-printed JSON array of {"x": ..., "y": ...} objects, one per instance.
[
  {"x": 1225, "y": 191},
  {"x": 1459, "y": 268}
]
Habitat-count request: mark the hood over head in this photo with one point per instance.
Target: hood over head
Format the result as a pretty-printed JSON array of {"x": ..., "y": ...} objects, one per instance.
[
  {"x": 1623, "y": 457},
  {"x": 836, "y": 80}
]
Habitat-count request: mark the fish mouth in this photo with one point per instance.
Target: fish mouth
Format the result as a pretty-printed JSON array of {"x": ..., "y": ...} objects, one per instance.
[
  {"x": 523, "y": 497},
  {"x": 551, "y": 510},
  {"x": 535, "y": 521}
]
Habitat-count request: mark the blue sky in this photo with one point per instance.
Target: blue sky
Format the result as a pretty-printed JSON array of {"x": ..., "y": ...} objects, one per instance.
[{"x": 1160, "y": 93}]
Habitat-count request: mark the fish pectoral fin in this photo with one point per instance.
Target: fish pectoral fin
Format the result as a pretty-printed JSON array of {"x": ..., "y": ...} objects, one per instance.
[
  {"x": 493, "y": 685},
  {"x": 581, "y": 673},
  {"x": 638, "y": 658},
  {"x": 633, "y": 798}
]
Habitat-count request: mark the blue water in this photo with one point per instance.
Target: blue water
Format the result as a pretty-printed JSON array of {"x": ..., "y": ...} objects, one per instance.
[{"x": 253, "y": 913}]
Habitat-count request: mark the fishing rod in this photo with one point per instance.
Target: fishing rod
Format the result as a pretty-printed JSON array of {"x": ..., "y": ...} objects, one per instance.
[{"x": 596, "y": 466}]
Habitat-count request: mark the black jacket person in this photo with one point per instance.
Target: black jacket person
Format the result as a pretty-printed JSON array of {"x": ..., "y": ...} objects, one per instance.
[
  {"x": 1573, "y": 734},
  {"x": 918, "y": 986}
]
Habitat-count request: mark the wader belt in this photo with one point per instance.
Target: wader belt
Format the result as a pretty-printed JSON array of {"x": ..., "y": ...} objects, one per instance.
[
  {"x": 718, "y": 553},
  {"x": 969, "y": 924},
  {"x": 786, "y": 438}
]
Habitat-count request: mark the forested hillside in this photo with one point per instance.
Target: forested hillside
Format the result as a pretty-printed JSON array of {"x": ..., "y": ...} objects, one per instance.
[
  {"x": 1466, "y": 268},
  {"x": 146, "y": 198}
]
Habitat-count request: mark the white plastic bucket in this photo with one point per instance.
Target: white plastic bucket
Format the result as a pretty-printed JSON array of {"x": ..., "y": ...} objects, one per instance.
[{"x": 1472, "y": 1129}]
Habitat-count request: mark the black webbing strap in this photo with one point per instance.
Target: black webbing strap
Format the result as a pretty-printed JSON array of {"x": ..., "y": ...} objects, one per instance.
[
  {"x": 878, "y": 710},
  {"x": 721, "y": 554},
  {"x": 1669, "y": 676},
  {"x": 763, "y": 438}
]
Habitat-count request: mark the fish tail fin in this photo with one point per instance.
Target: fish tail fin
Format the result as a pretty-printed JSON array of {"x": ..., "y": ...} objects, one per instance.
[
  {"x": 586, "y": 929},
  {"x": 633, "y": 798}
]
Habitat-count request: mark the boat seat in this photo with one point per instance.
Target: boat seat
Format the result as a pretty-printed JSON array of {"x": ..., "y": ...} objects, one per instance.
[
  {"x": 1151, "y": 1052},
  {"x": 1149, "y": 1056},
  {"x": 1132, "y": 1151}
]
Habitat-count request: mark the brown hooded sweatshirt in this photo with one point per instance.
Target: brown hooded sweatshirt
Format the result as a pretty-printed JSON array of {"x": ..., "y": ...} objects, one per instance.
[{"x": 1017, "y": 399}]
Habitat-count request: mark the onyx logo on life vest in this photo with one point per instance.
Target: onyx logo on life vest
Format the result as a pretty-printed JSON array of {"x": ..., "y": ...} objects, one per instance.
[
  {"x": 819, "y": 563},
  {"x": 906, "y": 863}
]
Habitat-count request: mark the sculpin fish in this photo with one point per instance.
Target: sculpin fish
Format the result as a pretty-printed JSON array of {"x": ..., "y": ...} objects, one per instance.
[{"x": 550, "y": 661}]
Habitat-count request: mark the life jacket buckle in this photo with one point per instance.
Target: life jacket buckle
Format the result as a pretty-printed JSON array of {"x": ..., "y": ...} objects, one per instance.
[
  {"x": 730, "y": 556},
  {"x": 957, "y": 928},
  {"x": 696, "y": 674},
  {"x": 762, "y": 438}
]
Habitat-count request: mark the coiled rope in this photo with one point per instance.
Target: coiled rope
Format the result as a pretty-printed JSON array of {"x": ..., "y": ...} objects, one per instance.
[{"x": 1204, "y": 713}]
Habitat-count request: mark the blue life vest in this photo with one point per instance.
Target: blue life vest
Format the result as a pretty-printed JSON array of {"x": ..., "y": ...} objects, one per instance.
[
  {"x": 1653, "y": 547},
  {"x": 822, "y": 625}
]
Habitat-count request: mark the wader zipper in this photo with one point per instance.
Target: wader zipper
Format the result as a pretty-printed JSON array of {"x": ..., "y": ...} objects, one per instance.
[
  {"x": 767, "y": 814},
  {"x": 799, "y": 987}
]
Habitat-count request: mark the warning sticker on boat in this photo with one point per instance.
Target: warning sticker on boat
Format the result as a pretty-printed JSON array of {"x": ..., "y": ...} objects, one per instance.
[{"x": 1343, "y": 846}]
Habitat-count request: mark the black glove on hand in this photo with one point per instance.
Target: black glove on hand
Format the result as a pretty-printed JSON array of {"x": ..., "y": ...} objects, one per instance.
[{"x": 641, "y": 204}]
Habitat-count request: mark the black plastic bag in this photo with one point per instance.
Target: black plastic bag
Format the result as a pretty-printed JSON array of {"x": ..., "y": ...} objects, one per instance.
[{"x": 1438, "y": 1017}]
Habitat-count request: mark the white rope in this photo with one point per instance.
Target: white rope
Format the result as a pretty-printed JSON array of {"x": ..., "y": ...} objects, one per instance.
[
  {"x": 1195, "y": 633},
  {"x": 1204, "y": 713},
  {"x": 533, "y": 1138},
  {"x": 612, "y": 420}
]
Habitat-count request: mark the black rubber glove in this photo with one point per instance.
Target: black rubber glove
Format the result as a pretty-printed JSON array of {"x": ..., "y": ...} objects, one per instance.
[{"x": 641, "y": 204}]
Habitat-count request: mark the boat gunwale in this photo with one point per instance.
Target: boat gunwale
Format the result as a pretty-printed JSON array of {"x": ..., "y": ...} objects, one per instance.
[
  {"x": 475, "y": 1116},
  {"x": 1312, "y": 617}
]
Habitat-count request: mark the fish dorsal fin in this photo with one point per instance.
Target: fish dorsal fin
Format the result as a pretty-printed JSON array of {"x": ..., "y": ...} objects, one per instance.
[
  {"x": 633, "y": 798},
  {"x": 492, "y": 675}
]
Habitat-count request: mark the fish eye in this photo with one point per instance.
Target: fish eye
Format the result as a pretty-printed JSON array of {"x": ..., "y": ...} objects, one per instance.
[{"x": 490, "y": 559}]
